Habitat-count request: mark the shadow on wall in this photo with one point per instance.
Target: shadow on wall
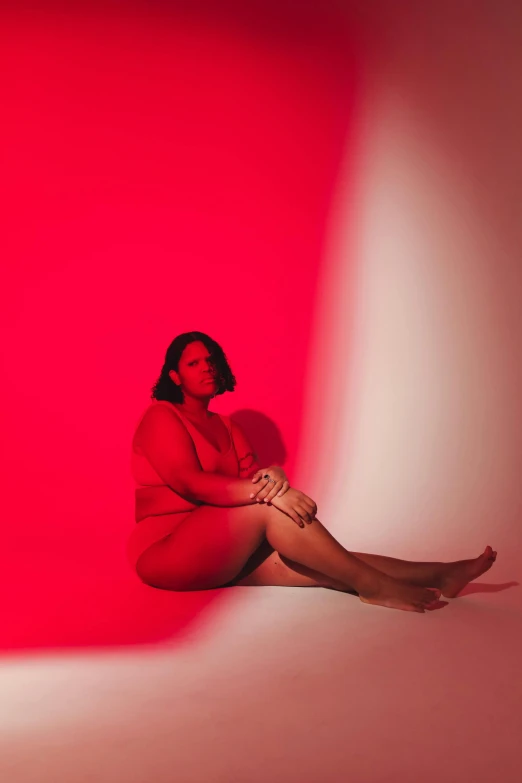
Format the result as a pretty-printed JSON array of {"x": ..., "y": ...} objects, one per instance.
[{"x": 264, "y": 435}]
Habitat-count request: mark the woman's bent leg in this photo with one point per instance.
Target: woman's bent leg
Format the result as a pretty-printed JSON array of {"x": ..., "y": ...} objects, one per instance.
[
  {"x": 210, "y": 548},
  {"x": 206, "y": 550}
]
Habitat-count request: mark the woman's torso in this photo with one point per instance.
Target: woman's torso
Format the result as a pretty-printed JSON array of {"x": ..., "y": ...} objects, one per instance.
[{"x": 216, "y": 453}]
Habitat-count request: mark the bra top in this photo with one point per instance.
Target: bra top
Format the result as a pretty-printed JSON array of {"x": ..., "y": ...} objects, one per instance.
[
  {"x": 211, "y": 460},
  {"x": 196, "y": 434}
]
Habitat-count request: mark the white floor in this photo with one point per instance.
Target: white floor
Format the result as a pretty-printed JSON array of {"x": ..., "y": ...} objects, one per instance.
[{"x": 275, "y": 684}]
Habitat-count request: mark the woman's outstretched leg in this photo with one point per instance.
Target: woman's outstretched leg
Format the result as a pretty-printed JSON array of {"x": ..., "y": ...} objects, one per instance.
[
  {"x": 449, "y": 578},
  {"x": 267, "y": 567},
  {"x": 210, "y": 548}
]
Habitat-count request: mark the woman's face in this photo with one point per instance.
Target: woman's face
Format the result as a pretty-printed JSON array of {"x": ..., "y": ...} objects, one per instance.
[{"x": 196, "y": 371}]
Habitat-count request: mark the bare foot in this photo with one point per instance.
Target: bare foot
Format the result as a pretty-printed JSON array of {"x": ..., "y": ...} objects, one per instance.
[
  {"x": 460, "y": 573},
  {"x": 399, "y": 595}
]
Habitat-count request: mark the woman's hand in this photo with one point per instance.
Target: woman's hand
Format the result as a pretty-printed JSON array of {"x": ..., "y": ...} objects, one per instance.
[
  {"x": 267, "y": 490},
  {"x": 296, "y": 505}
]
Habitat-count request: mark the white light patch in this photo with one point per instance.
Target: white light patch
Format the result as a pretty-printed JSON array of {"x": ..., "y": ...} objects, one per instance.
[{"x": 406, "y": 374}]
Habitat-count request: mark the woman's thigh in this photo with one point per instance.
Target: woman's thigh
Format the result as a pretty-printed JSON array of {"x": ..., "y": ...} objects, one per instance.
[{"x": 208, "y": 549}]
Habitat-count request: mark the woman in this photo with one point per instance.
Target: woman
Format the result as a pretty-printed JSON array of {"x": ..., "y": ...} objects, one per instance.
[{"x": 209, "y": 516}]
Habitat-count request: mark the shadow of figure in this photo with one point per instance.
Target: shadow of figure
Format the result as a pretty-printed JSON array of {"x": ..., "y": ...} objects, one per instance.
[
  {"x": 264, "y": 435},
  {"x": 481, "y": 587}
]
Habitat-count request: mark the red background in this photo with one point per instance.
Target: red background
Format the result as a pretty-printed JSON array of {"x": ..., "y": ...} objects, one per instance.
[{"x": 163, "y": 171}]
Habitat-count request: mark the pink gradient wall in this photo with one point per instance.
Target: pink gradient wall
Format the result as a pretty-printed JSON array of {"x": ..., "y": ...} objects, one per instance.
[
  {"x": 393, "y": 202},
  {"x": 419, "y": 453},
  {"x": 165, "y": 171},
  {"x": 350, "y": 240}
]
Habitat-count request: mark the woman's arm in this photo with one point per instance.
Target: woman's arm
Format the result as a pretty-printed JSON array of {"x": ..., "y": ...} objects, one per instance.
[
  {"x": 169, "y": 448},
  {"x": 247, "y": 458},
  {"x": 261, "y": 490}
]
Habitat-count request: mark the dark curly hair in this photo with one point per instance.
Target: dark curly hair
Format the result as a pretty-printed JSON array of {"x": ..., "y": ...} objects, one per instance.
[{"x": 166, "y": 389}]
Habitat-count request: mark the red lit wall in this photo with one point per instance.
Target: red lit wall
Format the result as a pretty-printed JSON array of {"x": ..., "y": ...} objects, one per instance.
[{"x": 163, "y": 171}]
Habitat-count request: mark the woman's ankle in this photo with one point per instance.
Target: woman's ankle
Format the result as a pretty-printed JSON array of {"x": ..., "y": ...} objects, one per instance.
[{"x": 371, "y": 581}]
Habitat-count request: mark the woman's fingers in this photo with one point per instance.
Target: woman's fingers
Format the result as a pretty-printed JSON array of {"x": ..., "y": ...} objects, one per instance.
[
  {"x": 305, "y": 514},
  {"x": 311, "y": 506},
  {"x": 298, "y": 515},
  {"x": 302, "y": 518},
  {"x": 265, "y": 491},
  {"x": 292, "y": 513},
  {"x": 284, "y": 488},
  {"x": 276, "y": 488},
  {"x": 259, "y": 493}
]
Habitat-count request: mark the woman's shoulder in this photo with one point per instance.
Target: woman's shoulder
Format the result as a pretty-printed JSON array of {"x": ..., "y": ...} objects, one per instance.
[
  {"x": 160, "y": 405},
  {"x": 157, "y": 411},
  {"x": 156, "y": 406},
  {"x": 160, "y": 422}
]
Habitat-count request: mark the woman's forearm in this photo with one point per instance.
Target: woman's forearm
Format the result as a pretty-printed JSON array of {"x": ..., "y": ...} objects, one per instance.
[{"x": 215, "y": 489}]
